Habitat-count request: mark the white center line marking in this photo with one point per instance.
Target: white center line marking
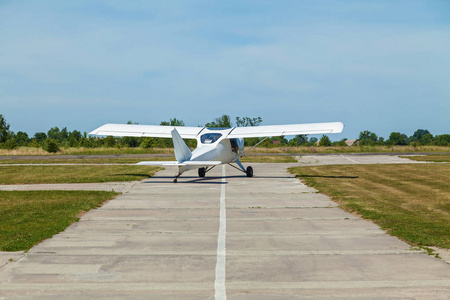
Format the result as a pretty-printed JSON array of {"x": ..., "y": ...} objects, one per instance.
[
  {"x": 350, "y": 159},
  {"x": 219, "y": 285}
]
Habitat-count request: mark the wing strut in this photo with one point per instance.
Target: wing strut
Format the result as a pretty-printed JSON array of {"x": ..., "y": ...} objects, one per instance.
[{"x": 255, "y": 145}]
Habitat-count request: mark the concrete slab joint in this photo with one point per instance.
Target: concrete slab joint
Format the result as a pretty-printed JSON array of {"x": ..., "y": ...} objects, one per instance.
[{"x": 225, "y": 235}]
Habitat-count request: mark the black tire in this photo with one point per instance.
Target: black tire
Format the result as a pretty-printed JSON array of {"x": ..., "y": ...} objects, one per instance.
[
  {"x": 249, "y": 171},
  {"x": 201, "y": 172}
]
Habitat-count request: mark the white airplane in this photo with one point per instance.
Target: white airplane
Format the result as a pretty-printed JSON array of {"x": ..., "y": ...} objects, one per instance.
[{"x": 215, "y": 146}]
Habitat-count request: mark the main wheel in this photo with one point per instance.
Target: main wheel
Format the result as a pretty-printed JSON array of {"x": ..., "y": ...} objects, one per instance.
[
  {"x": 249, "y": 171},
  {"x": 201, "y": 172}
]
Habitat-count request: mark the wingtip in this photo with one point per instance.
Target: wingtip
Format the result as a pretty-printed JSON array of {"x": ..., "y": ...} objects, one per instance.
[{"x": 340, "y": 128}]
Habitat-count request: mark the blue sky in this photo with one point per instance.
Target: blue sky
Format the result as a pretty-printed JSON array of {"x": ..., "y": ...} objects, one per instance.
[{"x": 382, "y": 66}]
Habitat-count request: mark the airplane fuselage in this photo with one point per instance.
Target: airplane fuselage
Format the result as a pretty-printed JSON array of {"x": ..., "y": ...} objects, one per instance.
[{"x": 213, "y": 146}]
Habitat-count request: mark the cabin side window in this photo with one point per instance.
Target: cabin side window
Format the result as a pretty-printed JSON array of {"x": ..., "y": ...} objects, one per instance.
[
  {"x": 210, "y": 138},
  {"x": 234, "y": 145}
]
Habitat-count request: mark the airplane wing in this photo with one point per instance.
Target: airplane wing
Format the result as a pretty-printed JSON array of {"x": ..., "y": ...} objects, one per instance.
[
  {"x": 278, "y": 130},
  {"x": 178, "y": 164},
  {"x": 146, "y": 130}
]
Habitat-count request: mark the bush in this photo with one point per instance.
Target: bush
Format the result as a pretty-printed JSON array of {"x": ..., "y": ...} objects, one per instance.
[
  {"x": 109, "y": 141},
  {"x": 10, "y": 144},
  {"x": 50, "y": 146},
  {"x": 325, "y": 141},
  {"x": 148, "y": 143}
]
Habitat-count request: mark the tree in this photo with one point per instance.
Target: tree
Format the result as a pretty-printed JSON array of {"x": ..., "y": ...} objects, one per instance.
[
  {"x": 58, "y": 135},
  {"x": 341, "y": 143},
  {"x": 246, "y": 121},
  {"x": 325, "y": 141},
  {"x": 74, "y": 138},
  {"x": 10, "y": 144},
  {"x": 421, "y": 136},
  {"x": 298, "y": 140},
  {"x": 4, "y": 130},
  {"x": 397, "y": 138},
  {"x": 426, "y": 139},
  {"x": 40, "y": 137},
  {"x": 222, "y": 122},
  {"x": 173, "y": 122},
  {"x": 442, "y": 140},
  {"x": 51, "y": 145},
  {"x": 313, "y": 141},
  {"x": 367, "y": 138},
  {"x": 148, "y": 142},
  {"x": 418, "y": 135},
  {"x": 109, "y": 141},
  {"x": 22, "y": 138}
]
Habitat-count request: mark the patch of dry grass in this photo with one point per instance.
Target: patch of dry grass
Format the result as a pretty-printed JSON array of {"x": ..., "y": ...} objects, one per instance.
[
  {"x": 286, "y": 149},
  {"x": 353, "y": 149},
  {"x": 433, "y": 158},
  {"x": 410, "y": 201},
  {"x": 246, "y": 158}
]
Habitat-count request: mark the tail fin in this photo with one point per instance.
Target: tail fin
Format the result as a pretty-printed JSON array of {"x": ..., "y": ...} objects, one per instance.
[{"x": 182, "y": 151}]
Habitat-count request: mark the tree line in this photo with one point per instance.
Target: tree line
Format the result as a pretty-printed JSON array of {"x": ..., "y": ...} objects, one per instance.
[{"x": 55, "y": 138}]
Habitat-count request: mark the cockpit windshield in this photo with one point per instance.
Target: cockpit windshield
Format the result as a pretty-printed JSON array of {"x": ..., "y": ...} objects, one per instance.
[{"x": 210, "y": 138}]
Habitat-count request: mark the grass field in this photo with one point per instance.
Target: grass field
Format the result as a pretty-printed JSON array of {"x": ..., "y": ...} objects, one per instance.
[
  {"x": 84, "y": 160},
  {"x": 29, "y": 217},
  {"x": 411, "y": 202},
  {"x": 286, "y": 149},
  {"x": 432, "y": 158},
  {"x": 73, "y": 174},
  {"x": 257, "y": 159},
  {"x": 355, "y": 149},
  {"x": 86, "y": 151}
]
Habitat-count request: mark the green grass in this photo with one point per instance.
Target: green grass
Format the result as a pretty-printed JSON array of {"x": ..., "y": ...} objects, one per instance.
[
  {"x": 410, "y": 201},
  {"x": 73, "y": 174},
  {"x": 353, "y": 149},
  {"x": 29, "y": 217},
  {"x": 257, "y": 159},
  {"x": 284, "y": 149},
  {"x": 86, "y": 151},
  {"x": 119, "y": 160},
  {"x": 432, "y": 158}
]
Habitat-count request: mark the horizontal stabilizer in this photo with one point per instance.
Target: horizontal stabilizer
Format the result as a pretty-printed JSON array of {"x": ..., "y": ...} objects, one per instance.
[{"x": 177, "y": 164}]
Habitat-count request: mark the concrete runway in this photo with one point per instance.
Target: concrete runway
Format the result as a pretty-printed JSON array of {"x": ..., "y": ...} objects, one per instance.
[{"x": 267, "y": 237}]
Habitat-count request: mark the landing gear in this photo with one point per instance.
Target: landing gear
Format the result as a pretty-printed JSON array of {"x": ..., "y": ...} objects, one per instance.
[
  {"x": 249, "y": 171},
  {"x": 201, "y": 172},
  {"x": 176, "y": 176}
]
